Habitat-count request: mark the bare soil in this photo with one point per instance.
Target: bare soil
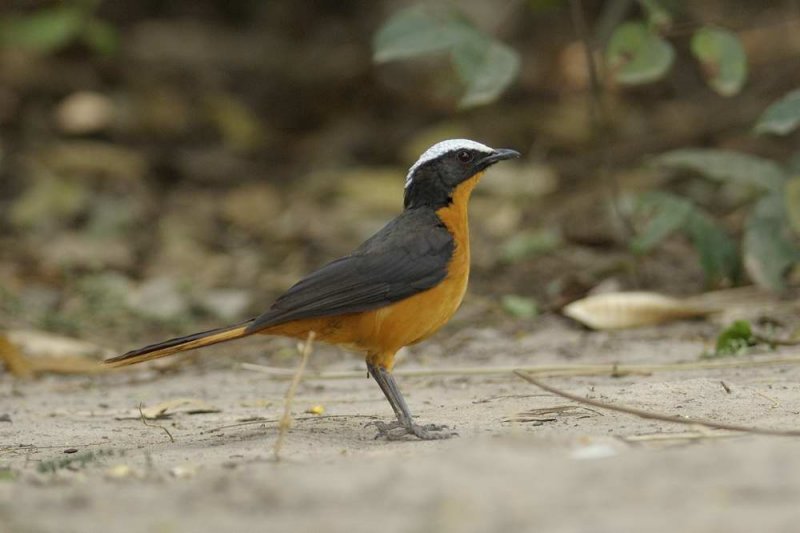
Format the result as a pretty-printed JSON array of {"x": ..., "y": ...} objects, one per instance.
[{"x": 524, "y": 460}]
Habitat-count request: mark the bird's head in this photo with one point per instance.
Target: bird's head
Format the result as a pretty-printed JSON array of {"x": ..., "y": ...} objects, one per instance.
[{"x": 438, "y": 172}]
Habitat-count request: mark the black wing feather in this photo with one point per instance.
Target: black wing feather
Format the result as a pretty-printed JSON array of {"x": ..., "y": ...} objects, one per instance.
[{"x": 409, "y": 255}]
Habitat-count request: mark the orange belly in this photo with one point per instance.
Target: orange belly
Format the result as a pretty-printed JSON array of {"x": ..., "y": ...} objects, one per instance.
[{"x": 381, "y": 332}]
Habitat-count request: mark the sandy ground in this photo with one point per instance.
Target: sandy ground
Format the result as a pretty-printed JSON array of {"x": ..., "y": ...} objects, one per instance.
[{"x": 524, "y": 460}]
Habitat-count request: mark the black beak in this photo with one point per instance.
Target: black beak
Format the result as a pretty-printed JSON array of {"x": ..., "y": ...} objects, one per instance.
[{"x": 497, "y": 155}]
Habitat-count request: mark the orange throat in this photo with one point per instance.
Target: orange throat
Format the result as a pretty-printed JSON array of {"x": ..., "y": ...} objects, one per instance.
[{"x": 455, "y": 218}]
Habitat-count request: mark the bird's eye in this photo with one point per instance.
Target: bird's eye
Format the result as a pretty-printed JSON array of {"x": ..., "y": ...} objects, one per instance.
[{"x": 464, "y": 156}]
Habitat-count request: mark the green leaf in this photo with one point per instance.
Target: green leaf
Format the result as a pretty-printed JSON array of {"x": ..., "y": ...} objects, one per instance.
[
  {"x": 719, "y": 255},
  {"x": 768, "y": 247},
  {"x": 417, "y": 31},
  {"x": 668, "y": 214},
  {"x": 486, "y": 67},
  {"x": 735, "y": 339},
  {"x": 792, "y": 197},
  {"x": 520, "y": 306},
  {"x": 635, "y": 55},
  {"x": 45, "y": 31},
  {"x": 782, "y": 117},
  {"x": 727, "y": 166},
  {"x": 101, "y": 37},
  {"x": 722, "y": 56}
]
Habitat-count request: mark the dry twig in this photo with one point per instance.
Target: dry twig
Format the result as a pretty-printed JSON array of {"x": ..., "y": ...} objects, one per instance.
[
  {"x": 641, "y": 413},
  {"x": 608, "y": 369},
  {"x": 684, "y": 435},
  {"x": 286, "y": 419},
  {"x": 153, "y": 425}
]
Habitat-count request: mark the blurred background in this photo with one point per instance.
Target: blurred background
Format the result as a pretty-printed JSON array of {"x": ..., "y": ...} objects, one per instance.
[{"x": 167, "y": 166}]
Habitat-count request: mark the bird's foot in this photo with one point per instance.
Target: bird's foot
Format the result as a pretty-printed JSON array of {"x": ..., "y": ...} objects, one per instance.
[{"x": 398, "y": 430}]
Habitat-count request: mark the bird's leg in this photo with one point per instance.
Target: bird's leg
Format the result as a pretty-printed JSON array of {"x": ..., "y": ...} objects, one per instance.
[{"x": 405, "y": 423}]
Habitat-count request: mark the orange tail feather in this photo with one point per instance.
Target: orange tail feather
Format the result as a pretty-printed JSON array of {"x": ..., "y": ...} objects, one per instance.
[{"x": 181, "y": 344}]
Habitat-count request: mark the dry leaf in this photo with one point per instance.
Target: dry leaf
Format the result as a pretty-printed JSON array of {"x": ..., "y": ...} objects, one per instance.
[
  {"x": 27, "y": 353},
  {"x": 13, "y": 360},
  {"x": 632, "y": 309},
  {"x": 42, "y": 344}
]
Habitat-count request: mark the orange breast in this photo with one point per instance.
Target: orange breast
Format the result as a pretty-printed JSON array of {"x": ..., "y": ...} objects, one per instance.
[{"x": 383, "y": 331}]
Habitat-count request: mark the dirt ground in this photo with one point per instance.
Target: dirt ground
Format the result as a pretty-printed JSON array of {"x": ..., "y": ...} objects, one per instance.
[{"x": 524, "y": 460}]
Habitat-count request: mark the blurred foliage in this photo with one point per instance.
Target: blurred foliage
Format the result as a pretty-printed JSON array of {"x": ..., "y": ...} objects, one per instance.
[
  {"x": 723, "y": 59},
  {"x": 667, "y": 213},
  {"x": 736, "y": 339},
  {"x": 770, "y": 241},
  {"x": 635, "y": 54},
  {"x": 520, "y": 306},
  {"x": 782, "y": 117},
  {"x": 739, "y": 338},
  {"x": 638, "y": 52},
  {"x": 727, "y": 166},
  {"x": 769, "y": 248},
  {"x": 484, "y": 65},
  {"x": 527, "y": 244},
  {"x": 50, "y": 29}
]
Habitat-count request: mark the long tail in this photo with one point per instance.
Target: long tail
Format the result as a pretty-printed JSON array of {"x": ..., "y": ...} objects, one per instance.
[{"x": 180, "y": 344}]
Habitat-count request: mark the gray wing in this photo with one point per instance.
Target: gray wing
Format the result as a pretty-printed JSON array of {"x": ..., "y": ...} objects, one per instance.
[{"x": 409, "y": 255}]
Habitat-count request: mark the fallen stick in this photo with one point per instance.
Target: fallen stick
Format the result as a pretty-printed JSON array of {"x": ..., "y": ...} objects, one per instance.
[
  {"x": 686, "y": 435},
  {"x": 641, "y": 413},
  {"x": 540, "y": 370}
]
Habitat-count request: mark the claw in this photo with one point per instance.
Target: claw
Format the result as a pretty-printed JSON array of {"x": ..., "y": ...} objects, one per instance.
[
  {"x": 404, "y": 425},
  {"x": 397, "y": 431}
]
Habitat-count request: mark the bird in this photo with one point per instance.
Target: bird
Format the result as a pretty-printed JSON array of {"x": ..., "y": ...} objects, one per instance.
[{"x": 396, "y": 289}]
